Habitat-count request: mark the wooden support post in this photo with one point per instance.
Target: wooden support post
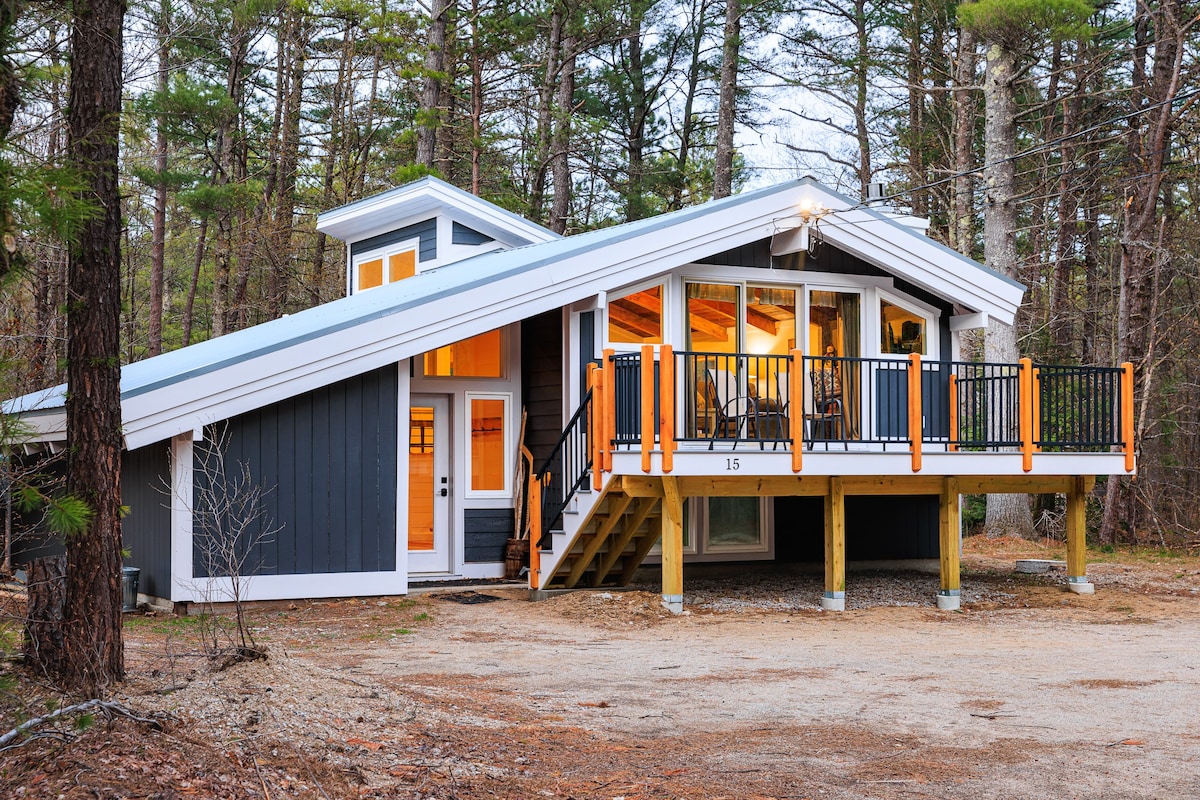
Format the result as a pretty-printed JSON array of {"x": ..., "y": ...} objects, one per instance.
[
  {"x": 834, "y": 598},
  {"x": 953, "y": 404},
  {"x": 647, "y": 402},
  {"x": 1025, "y": 412},
  {"x": 666, "y": 400},
  {"x": 916, "y": 417},
  {"x": 593, "y": 378},
  {"x": 610, "y": 406},
  {"x": 535, "y": 531},
  {"x": 795, "y": 380},
  {"x": 1077, "y": 537},
  {"x": 1037, "y": 410},
  {"x": 949, "y": 542},
  {"x": 672, "y": 546},
  {"x": 1127, "y": 414}
]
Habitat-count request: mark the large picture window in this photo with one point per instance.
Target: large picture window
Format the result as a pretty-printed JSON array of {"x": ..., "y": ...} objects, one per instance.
[{"x": 487, "y": 451}]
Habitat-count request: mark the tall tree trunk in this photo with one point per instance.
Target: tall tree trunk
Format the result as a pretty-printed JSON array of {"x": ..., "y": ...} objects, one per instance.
[
  {"x": 1007, "y": 514},
  {"x": 962, "y": 229},
  {"x": 545, "y": 114},
  {"x": 92, "y": 617},
  {"x": 560, "y": 211},
  {"x": 158, "y": 247},
  {"x": 1157, "y": 70},
  {"x": 731, "y": 48},
  {"x": 430, "y": 117},
  {"x": 635, "y": 136}
]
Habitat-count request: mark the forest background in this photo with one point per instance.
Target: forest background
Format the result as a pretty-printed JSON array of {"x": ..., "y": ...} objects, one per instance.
[{"x": 245, "y": 118}]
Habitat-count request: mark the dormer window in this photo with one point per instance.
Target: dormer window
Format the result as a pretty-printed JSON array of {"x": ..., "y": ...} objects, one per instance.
[{"x": 395, "y": 263}]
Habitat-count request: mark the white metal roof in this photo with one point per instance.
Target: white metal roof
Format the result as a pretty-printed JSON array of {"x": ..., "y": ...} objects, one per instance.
[{"x": 184, "y": 390}]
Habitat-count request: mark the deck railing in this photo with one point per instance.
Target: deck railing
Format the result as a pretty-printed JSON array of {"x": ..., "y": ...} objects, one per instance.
[
  {"x": 842, "y": 404},
  {"x": 565, "y": 471}
]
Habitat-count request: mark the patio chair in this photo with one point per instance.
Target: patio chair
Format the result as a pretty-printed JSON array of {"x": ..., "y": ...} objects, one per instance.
[
  {"x": 827, "y": 422},
  {"x": 732, "y": 407}
]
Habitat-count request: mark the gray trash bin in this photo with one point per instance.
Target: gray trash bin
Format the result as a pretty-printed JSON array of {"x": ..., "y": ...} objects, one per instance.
[{"x": 129, "y": 588}]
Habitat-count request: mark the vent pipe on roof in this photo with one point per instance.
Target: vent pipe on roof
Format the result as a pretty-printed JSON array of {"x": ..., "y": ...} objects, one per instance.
[{"x": 876, "y": 191}]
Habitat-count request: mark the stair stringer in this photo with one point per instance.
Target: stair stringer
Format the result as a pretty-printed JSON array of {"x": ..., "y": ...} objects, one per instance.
[
  {"x": 609, "y": 542},
  {"x": 575, "y": 522}
]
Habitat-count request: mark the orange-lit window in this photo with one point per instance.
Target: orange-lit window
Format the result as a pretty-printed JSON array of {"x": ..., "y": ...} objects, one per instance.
[
  {"x": 402, "y": 265},
  {"x": 394, "y": 264},
  {"x": 900, "y": 331},
  {"x": 637, "y": 318},
  {"x": 480, "y": 356},
  {"x": 488, "y": 451},
  {"x": 370, "y": 273},
  {"x": 420, "y": 478}
]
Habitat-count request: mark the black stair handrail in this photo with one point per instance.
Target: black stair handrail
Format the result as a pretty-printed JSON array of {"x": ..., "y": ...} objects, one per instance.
[{"x": 567, "y": 469}]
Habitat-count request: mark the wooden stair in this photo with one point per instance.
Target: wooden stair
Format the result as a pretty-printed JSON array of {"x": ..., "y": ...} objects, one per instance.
[{"x": 612, "y": 542}]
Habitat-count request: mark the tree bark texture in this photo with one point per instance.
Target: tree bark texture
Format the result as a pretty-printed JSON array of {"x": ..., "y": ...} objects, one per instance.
[
  {"x": 1007, "y": 514},
  {"x": 44, "y": 645},
  {"x": 92, "y": 617},
  {"x": 1158, "y": 64},
  {"x": 962, "y": 228},
  {"x": 430, "y": 115},
  {"x": 727, "y": 99}
]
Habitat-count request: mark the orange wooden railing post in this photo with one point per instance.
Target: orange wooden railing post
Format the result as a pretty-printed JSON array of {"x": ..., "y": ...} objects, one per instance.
[
  {"x": 1025, "y": 412},
  {"x": 666, "y": 399},
  {"x": 915, "y": 415},
  {"x": 594, "y": 426},
  {"x": 1127, "y": 413},
  {"x": 647, "y": 405},
  {"x": 952, "y": 445},
  {"x": 535, "y": 530},
  {"x": 796, "y": 408},
  {"x": 610, "y": 407},
  {"x": 1037, "y": 410}
]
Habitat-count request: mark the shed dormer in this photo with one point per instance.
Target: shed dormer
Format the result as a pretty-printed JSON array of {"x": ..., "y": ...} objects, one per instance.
[{"x": 419, "y": 226}]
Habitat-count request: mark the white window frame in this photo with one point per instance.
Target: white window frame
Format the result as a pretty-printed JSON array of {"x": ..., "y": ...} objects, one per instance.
[
  {"x": 507, "y": 398},
  {"x": 385, "y": 253},
  {"x": 930, "y": 314},
  {"x": 664, "y": 282}
]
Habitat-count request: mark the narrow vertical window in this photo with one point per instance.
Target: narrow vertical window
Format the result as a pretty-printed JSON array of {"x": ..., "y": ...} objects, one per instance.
[{"x": 488, "y": 451}]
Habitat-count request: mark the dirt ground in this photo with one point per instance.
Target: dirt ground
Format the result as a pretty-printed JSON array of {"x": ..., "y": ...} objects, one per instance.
[{"x": 1028, "y": 692}]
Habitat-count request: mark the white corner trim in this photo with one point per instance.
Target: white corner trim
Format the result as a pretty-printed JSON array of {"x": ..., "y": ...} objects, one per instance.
[{"x": 181, "y": 514}]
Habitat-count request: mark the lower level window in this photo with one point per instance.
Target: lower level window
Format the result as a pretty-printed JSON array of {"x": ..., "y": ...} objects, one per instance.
[{"x": 729, "y": 524}]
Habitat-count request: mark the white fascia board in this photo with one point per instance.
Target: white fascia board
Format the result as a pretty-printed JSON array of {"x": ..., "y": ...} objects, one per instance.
[
  {"x": 921, "y": 261},
  {"x": 192, "y": 403},
  {"x": 45, "y": 426},
  {"x": 418, "y": 201}
]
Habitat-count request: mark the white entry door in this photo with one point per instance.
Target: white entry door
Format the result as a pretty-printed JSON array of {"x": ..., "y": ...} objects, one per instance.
[{"x": 429, "y": 484}]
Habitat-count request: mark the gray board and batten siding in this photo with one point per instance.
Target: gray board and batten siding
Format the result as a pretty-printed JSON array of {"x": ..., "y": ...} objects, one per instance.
[
  {"x": 146, "y": 528},
  {"x": 326, "y": 461},
  {"x": 486, "y": 532}
]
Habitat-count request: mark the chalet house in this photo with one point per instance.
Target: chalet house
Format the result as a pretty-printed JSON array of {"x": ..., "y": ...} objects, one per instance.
[{"x": 775, "y": 376}]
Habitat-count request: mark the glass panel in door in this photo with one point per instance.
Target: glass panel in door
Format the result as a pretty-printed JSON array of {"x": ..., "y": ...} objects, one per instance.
[
  {"x": 834, "y": 333},
  {"x": 428, "y": 486},
  {"x": 714, "y": 316}
]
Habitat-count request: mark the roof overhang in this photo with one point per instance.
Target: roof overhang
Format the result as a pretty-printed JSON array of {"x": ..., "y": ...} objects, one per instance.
[
  {"x": 182, "y": 391},
  {"x": 421, "y": 200}
]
